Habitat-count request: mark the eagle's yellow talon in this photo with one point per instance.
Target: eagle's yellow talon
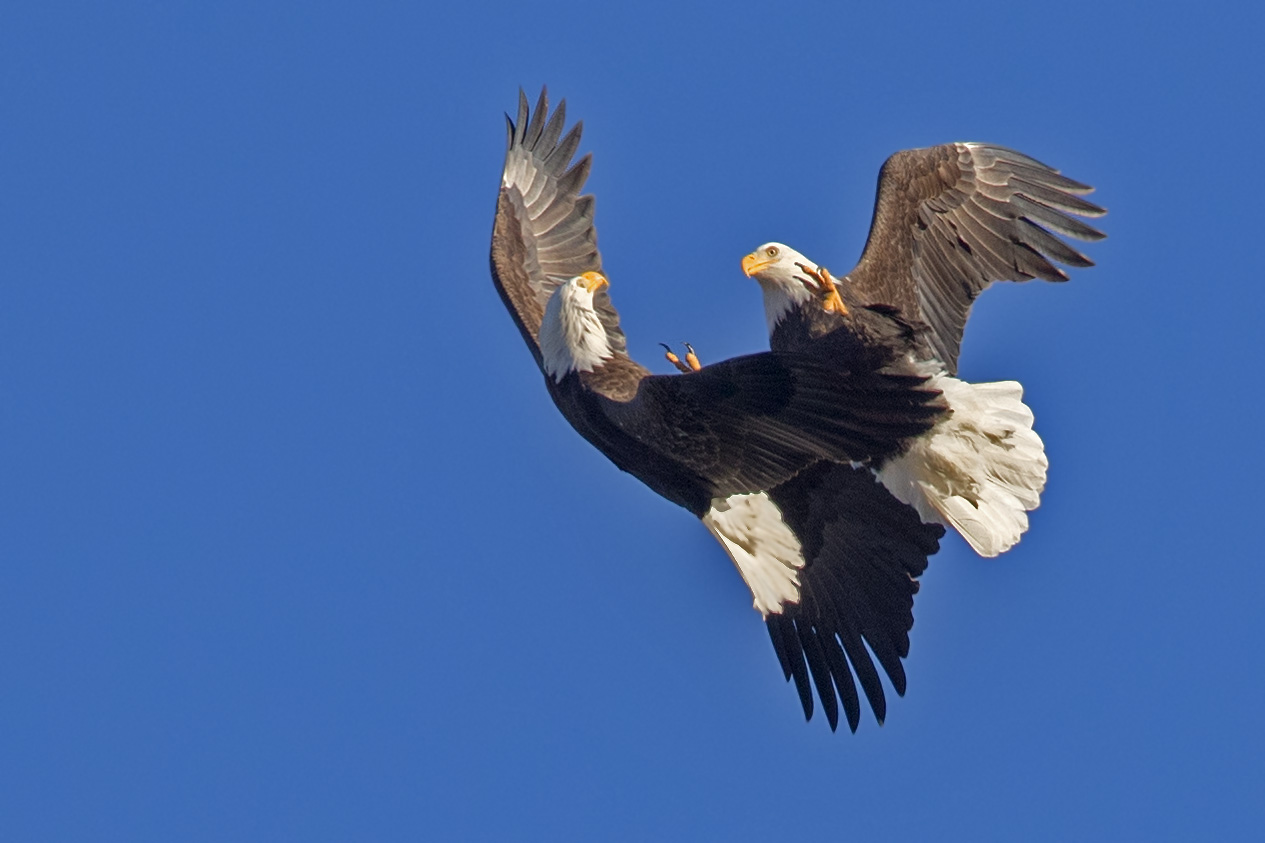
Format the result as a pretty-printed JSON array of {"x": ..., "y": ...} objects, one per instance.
[
  {"x": 833, "y": 303},
  {"x": 676, "y": 361},
  {"x": 825, "y": 289},
  {"x": 691, "y": 358}
]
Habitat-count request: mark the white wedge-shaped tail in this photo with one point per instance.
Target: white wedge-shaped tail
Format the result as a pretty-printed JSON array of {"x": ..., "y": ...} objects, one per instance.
[{"x": 980, "y": 470}]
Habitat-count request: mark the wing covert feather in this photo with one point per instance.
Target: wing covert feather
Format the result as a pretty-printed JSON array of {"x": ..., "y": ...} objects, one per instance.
[{"x": 752, "y": 422}]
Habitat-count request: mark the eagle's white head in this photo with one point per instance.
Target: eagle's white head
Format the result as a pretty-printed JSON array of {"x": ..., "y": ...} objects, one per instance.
[
  {"x": 774, "y": 266},
  {"x": 572, "y": 336}
]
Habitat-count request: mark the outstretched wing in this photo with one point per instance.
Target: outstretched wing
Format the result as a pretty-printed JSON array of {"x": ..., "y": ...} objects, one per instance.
[
  {"x": 863, "y": 551},
  {"x": 543, "y": 233},
  {"x": 951, "y": 219},
  {"x": 752, "y": 422}
]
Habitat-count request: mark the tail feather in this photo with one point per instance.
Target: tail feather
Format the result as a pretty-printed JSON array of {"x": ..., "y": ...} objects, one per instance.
[{"x": 979, "y": 471}]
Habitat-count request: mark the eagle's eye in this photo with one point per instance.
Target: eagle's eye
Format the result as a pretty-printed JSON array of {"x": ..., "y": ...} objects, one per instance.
[{"x": 771, "y": 251}]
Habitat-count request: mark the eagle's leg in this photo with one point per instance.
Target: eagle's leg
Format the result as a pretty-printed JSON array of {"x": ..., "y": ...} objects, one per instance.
[
  {"x": 674, "y": 360},
  {"x": 824, "y": 289}
]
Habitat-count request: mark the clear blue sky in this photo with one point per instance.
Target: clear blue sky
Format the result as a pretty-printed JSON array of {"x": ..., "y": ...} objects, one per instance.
[{"x": 293, "y": 544}]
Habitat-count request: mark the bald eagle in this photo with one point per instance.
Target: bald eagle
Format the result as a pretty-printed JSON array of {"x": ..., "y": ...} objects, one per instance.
[
  {"x": 948, "y": 221},
  {"x": 770, "y": 451}
]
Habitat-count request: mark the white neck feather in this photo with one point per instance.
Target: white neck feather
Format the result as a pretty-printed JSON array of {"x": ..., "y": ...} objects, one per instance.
[
  {"x": 572, "y": 337},
  {"x": 780, "y": 298}
]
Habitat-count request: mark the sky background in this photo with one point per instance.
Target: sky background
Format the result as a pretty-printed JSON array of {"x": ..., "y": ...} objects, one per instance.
[{"x": 294, "y": 545}]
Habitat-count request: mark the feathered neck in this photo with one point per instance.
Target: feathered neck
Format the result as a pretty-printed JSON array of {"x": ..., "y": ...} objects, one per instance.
[
  {"x": 572, "y": 336},
  {"x": 782, "y": 294}
]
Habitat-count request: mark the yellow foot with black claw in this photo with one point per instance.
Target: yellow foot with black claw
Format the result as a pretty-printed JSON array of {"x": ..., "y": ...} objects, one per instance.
[
  {"x": 691, "y": 358},
  {"x": 690, "y": 364},
  {"x": 823, "y": 287},
  {"x": 674, "y": 360}
]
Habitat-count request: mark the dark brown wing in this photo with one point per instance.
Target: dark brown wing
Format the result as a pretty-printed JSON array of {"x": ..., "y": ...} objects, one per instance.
[
  {"x": 543, "y": 233},
  {"x": 949, "y": 220},
  {"x": 864, "y": 551},
  {"x": 749, "y": 423}
]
